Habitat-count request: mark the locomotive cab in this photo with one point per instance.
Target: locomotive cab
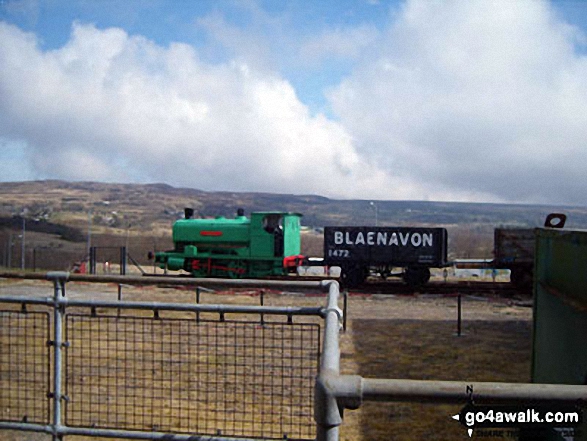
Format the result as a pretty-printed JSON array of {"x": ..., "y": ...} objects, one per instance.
[{"x": 275, "y": 234}]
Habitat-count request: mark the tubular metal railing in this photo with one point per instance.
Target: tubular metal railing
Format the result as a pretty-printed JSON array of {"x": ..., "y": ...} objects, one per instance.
[
  {"x": 154, "y": 370},
  {"x": 159, "y": 377}
]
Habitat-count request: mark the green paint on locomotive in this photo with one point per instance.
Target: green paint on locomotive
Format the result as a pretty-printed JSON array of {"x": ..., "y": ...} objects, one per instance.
[{"x": 235, "y": 248}]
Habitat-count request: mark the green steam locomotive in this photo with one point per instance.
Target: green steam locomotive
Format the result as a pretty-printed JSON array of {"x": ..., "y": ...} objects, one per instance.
[{"x": 266, "y": 244}]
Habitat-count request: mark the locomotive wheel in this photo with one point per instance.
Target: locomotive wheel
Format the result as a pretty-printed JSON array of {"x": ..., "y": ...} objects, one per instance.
[
  {"x": 416, "y": 276},
  {"x": 236, "y": 269},
  {"x": 195, "y": 268}
]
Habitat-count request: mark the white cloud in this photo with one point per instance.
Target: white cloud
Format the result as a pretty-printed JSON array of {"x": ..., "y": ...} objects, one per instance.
[
  {"x": 110, "y": 106},
  {"x": 342, "y": 43},
  {"x": 478, "y": 100},
  {"x": 489, "y": 96}
]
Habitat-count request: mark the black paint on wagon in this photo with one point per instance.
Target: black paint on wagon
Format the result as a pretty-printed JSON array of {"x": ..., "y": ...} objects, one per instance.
[{"x": 391, "y": 246}]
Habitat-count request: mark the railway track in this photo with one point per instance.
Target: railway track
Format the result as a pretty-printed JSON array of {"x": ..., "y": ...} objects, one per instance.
[
  {"x": 397, "y": 287},
  {"x": 501, "y": 289},
  {"x": 375, "y": 285}
]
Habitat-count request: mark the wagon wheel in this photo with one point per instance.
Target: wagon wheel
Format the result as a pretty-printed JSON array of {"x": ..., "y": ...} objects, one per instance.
[
  {"x": 236, "y": 269},
  {"x": 522, "y": 278},
  {"x": 353, "y": 276},
  {"x": 385, "y": 272},
  {"x": 416, "y": 276}
]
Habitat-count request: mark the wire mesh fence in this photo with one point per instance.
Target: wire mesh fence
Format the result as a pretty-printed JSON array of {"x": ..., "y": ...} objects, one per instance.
[
  {"x": 145, "y": 369},
  {"x": 24, "y": 366},
  {"x": 231, "y": 378}
]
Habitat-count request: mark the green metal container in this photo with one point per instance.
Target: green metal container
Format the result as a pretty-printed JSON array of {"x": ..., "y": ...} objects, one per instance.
[{"x": 559, "y": 354}]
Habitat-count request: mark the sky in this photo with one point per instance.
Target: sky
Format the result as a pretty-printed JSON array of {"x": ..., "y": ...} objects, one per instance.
[{"x": 476, "y": 101}]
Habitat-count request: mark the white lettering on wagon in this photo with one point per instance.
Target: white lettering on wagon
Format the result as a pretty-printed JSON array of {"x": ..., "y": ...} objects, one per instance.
[{"x": 383, "y": 238}]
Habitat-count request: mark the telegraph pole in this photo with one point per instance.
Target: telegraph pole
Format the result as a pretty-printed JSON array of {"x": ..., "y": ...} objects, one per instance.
[
  {"x": 374, "y": 205},
  {"x": 10, "y": 250},
  {"x": 89, "y": 232}
]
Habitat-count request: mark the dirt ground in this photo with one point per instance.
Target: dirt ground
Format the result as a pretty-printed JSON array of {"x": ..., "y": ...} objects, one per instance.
[
  {"x": 386, "y": 337},
  {"x": 416, "y": 338}
]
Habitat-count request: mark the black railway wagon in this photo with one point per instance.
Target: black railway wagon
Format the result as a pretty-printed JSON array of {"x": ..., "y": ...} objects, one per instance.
[
  {"x": 514, "y": 250},
  {"x": 360, "y": 250}
]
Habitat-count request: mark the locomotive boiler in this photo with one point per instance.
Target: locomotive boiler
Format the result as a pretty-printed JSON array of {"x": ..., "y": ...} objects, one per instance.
[{"x": 266, "y": 244}]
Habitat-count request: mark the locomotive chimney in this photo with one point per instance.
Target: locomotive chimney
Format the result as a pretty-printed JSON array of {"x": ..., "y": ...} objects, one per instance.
[
  {"x": 188, "y": 212},
  {"x": 240, "y": 212}
]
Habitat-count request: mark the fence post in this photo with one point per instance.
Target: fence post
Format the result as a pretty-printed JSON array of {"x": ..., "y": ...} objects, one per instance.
[
  {"x": 59, "y": 279},
  {"x": 459, "y": 315},
  {"x": 92, "y": 258},
  {"x": 119, "y": 296},
  {"x": 327, "y": 414},
  {"x": 123, "y": 261},
  {"x": 345, "y": 308},
  {"x": 197, "y": 303},
  {"x": 262, "y": 302}
]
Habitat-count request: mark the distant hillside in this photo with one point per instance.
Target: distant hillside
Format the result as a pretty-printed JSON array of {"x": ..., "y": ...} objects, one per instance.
[
  {"x": 63, "y": 217},
  {"x": 155, "y": 206}
]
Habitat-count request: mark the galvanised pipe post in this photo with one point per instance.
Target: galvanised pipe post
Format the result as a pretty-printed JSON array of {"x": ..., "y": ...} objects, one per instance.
[
  {"x": 327, "y": 413},
  {"x": 345, "y": 309},
  {"x": 59, "y": 279}
]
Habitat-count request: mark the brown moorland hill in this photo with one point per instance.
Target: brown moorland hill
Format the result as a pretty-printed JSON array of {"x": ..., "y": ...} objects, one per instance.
[{"x": 141, "y": 215}]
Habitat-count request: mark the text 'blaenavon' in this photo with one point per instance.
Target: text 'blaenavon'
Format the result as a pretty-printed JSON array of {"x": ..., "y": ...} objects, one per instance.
[{"x": 380, "y": 238}]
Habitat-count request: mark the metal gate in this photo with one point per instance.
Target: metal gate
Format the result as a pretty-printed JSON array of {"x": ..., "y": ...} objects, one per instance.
[
  {"x": 163, "y": 371},
  {"x": 132, "y": 369}
]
